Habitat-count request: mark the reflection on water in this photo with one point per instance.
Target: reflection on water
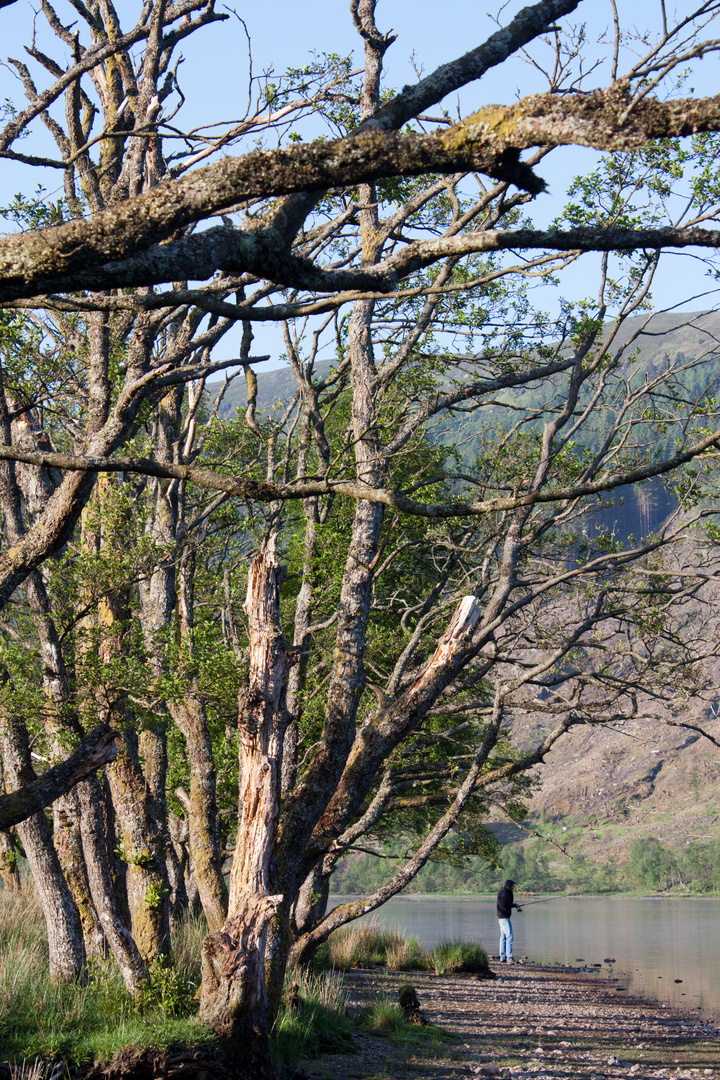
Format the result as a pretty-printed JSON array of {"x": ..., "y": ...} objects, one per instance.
[{"x": 654, "y": 942}]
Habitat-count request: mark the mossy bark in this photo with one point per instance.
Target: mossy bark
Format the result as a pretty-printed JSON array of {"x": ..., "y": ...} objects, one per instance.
[
  {"x": 9, "y": 873},
  {"x": 97, "y": 838},
  {"x": 68, "y": 843},
  {"x": 142, "y": 850},
  {"x": 205, "y": 851}
]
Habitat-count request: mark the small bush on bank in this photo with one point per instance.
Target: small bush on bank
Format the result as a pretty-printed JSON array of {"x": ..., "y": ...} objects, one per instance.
[{"x": 459, "y": 956}]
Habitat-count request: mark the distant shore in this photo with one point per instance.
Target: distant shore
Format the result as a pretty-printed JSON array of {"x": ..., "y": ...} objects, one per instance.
[{"x": 529, "y": 897}]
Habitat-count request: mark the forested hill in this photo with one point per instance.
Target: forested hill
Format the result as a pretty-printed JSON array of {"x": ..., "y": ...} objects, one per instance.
[
  {"x": 680, "y": 337},
  {"x": 668, "y": 336}
]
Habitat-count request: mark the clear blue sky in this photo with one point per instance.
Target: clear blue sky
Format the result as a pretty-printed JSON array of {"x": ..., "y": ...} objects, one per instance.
[{"x": 286, "y": 32}]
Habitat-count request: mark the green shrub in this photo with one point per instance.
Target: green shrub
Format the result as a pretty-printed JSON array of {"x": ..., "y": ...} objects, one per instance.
[
  {"x": 168, "y": 991},
  {"x": 452, "y": 956}
]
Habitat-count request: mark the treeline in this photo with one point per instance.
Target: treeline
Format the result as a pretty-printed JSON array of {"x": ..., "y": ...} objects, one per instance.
[{"x": 651, "y": 865}]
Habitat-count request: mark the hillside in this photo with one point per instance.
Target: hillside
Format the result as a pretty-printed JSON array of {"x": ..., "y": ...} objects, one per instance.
[
  {"x": 668, "y": 337},
  {"x": 603, "y": 788},
  {"x": 637, "y": 510}
]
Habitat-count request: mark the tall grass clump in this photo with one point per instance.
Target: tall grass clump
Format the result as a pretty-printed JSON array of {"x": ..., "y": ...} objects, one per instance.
[
  {"x": 369, "y": 945},
  {"x": 29, "y": 1070},
  {"x": 89, "y": 1022},
  {"x": 315, "y": 1024},
  {"x": 384, "y": 1015},
  {"x": 456, "y": 956},
  {"x": 188, "y": 935}
]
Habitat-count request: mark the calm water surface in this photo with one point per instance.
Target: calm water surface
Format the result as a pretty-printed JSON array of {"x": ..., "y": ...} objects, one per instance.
[{"x": 653, "y": 942}]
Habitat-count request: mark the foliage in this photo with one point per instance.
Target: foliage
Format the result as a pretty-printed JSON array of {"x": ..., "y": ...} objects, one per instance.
[
  {"x": 168, "y": 991},
  {"x": 651, "y": 865}
]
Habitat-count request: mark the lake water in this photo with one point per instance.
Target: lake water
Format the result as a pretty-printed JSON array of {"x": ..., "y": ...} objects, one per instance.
[{"x": 653, "y": 942}]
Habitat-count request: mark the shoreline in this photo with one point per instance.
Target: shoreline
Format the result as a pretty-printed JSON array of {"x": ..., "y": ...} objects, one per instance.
[
  {"x": 337, "y": 898},
  {"x": 532, "y": 1021},
  {"x": 657, "y": 943}
]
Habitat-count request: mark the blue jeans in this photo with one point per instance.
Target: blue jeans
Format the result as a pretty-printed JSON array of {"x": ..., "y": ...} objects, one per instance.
[{"x": 506, "y": 939}]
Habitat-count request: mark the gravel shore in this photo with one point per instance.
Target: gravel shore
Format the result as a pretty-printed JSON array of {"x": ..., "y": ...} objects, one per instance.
[{"x": 531, "y": 1021}]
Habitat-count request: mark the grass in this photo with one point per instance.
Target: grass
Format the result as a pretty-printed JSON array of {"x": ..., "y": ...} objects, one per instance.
[
  {"x": 40, "y": 1018},
  {"x": 459, "y": 956},
  {"x": 371, "y": 945},
  {"x": 385, "y": 1017},
  {"x": 320, "y": 1026}
]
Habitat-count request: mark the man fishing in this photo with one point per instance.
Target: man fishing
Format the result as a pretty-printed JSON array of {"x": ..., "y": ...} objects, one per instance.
[{"x": 505, "y": 904}]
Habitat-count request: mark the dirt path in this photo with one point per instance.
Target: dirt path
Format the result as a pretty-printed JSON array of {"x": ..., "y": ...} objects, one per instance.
[{"x": 532, "y": 1021}]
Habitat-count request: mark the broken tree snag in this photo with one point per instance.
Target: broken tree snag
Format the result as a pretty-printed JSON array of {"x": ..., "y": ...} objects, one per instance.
[
  {"x": 234, "y": 995},
  {"x": 95, "y": 750},
  {"x": 466, "y": 617}
]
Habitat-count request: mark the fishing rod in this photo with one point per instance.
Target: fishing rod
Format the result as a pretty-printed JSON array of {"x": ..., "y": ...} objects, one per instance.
[{"x": 545, "y": 901}]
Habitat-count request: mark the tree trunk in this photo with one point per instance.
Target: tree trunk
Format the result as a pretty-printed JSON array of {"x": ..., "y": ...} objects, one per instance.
[
  {"x": 234, "y": 993},
  {"x": 64, "y": 929},
  {"x": 9, "y": 873},
  {"x": 205, "y": 853},
  {"x": 94, "y": 832},
  {"x": 141, "y": 843},
  {"x": 68, "y": 844},
  {"x": 138, "y": 815},
  {"x": 158, "y": 597},
  {"x": 65, "y": 937},
  {"x": 152, "y": 744},
  {"x": 311, "y": 904}
]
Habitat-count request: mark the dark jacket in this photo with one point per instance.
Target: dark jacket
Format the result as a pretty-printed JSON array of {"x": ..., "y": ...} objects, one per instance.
[{"x": 505, "y": 903}]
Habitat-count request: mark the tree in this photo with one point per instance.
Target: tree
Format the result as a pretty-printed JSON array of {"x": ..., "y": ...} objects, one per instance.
[{"x": 438, "y": 593}]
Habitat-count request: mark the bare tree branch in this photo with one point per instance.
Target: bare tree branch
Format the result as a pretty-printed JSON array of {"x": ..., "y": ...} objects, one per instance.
[
  {"x": 489, "y": 141},
  {"x": 95, "y": 750}
]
